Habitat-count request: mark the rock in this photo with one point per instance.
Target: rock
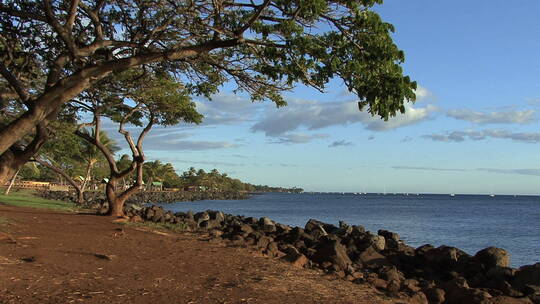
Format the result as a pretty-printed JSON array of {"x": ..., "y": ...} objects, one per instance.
[
  {"x": 492, "y": 257},
  {"x": 315, "y": 228},
  {"x": 389, "y": 235},
  {"x": 370, "y": 257},
  {"x": 411, "y": 286},
  {"x": 216, "y": 216},
  {"x": 294, "y": 257},
  {"x": 509, "y": 300},
  {"x": 377, "y": 282},
  {"x": 445, "y": 257},
  {"x": 245, "y": 228},
  {"x": 209, "y": 224},
  {"x": 136, "y": 219},
  {"x": 272, "y": 249},
  {"x": 390, "y": 273},
  {"x": 263, "y": 242},
  {"x": 377, "y": 242},
  {"x": 527, "y": 278},
  {"x": 393, "y": 287},
  {"x": 333, "y": 252},
  {"x": 418, "y": 298},
  {"x": 435, "y": 295},
  {"x": 201, "y": 217}
]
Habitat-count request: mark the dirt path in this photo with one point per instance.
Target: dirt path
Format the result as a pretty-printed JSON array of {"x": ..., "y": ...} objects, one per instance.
[{"x": 57, "y": 257}]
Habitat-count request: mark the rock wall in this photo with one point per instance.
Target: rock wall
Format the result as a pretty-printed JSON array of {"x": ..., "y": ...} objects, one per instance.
[
  {"x": 415, "y": 275},
  {"x": 148, "y": 197}
]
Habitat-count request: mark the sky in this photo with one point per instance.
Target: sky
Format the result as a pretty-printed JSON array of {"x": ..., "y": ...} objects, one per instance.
[{"x": 474, "y": 128}]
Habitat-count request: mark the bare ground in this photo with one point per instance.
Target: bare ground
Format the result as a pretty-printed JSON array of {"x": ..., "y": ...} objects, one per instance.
[{"x": 53, "y": 257}]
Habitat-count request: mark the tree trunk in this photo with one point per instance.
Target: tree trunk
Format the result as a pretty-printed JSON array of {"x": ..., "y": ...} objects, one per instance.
[
  {"x": 11, "y": 183},
  {"x": 10, "y": 164},
  {"x": 116, "y": 202},
  {"x": 88, "y": 173},
  {"x": 60, "y": 172}
]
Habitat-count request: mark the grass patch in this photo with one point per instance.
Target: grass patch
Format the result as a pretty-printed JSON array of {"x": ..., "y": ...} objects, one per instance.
[
  {"x": 29, "y": 198},
  {"x": 159, "y": 226}
]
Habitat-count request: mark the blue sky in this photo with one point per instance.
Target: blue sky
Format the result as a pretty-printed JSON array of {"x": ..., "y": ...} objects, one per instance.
[{"x": 474, "y": 128}]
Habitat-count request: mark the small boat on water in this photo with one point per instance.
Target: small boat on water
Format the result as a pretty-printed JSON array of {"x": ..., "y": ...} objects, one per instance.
[
  {"x": 452, "y": 194},
  {"x": 492, "y": 195}
]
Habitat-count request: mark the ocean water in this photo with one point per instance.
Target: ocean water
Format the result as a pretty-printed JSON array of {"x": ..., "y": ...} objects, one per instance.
[{"x": 469, "y": 222}]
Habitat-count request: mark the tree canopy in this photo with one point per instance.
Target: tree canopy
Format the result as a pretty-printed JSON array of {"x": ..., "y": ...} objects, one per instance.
[{"x": 52, "y": 50}]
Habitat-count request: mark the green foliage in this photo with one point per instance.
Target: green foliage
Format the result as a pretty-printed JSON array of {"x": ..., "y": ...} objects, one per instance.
[
  {"x": 180, "y": 227},
  {"x": 195, "y": 47},
  {"x": 25, "y": 198}
]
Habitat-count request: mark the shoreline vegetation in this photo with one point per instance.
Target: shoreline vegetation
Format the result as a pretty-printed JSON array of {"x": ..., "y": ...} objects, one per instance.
[{"x": 349, "y": 252}]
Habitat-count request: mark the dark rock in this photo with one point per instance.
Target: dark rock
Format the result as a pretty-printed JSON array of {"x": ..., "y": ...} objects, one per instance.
[
  {"x": 294, "y": 257},
  {"x": 418, "y": 298},
  {"x": 527, "y": 277},
  {"x": 201, "y": 217},
  {"x": 315, "y": 228},
  {"x": 389, "y": 235},
  {"x": 371, "y": 258},
  {"x": 492, "y": 257},
  {"x": 435, "y": 295},
  {"x": 410, "y": 286},
  {"x": 509, "y": 300},
  {"x": 332, "y": 251}
]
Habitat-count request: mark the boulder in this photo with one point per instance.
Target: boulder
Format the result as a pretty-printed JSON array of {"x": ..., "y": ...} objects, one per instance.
[
  {"x": 332, "y": 251},
  {"x": 509, "y": 300},
  {"x": 389, "y": 235},
  {"x": 435, "y": 295},
  {"x": 315, "y": 228},
  {"x": 527, "y": 278},
  {"x": 294, "y": 257},
  {"x": 492, "y": 257},
  {"x": 201, "y": 217},
  {"x": 376, "y": 241},
  {"x": 371, "y": 258}
]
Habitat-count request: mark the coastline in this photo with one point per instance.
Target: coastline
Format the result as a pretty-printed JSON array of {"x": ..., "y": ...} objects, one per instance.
[
  {"x": 50, "y": 257},
  {"x": 149, "y": 197},
  {"x": 434, "y": 275}
]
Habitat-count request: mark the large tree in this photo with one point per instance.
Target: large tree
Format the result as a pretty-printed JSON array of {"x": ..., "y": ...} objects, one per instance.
[
  {"x": 139, "y": 98},
  {"x": 52, "y": 50}
]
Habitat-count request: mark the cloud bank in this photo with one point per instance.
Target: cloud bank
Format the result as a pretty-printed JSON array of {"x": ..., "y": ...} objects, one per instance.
[
  {"x": 460, "y": 136},
  {"x": 509, "y": 117}
]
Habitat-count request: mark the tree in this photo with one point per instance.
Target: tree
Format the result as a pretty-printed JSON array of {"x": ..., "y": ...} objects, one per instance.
[
  {"x": 53, "y": 50},
  {"x": 139, "y": 98},
  {"x": 90, "y": 153}
]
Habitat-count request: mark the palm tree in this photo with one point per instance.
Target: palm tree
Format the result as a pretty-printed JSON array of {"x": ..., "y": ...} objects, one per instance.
[
  {"x": 91, "y": 155},
  {"x": 157, "y": 171}
]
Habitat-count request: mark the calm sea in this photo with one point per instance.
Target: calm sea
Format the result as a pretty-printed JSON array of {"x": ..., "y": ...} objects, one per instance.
[{"x": 469, "y": 222}]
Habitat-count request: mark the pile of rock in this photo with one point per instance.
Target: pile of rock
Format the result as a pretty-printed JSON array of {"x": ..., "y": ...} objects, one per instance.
[{"x": 421, "y": 275}]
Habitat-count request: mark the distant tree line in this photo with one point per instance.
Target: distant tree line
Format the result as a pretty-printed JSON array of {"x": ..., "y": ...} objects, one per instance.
[{"x": 69, "y": 159}]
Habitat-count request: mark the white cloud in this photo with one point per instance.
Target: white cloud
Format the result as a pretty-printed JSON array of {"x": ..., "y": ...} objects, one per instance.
[
  {"x": 314, "y": 115},
  {"x": 422, "y": 93},
  {"x": 508, "y": 117},
  {"x": 227, "y": 109},
  {"x": 459, "y": 136}
]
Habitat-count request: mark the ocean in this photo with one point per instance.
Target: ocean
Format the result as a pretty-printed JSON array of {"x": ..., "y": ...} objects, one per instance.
[{"x": 468, "y": 222}]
